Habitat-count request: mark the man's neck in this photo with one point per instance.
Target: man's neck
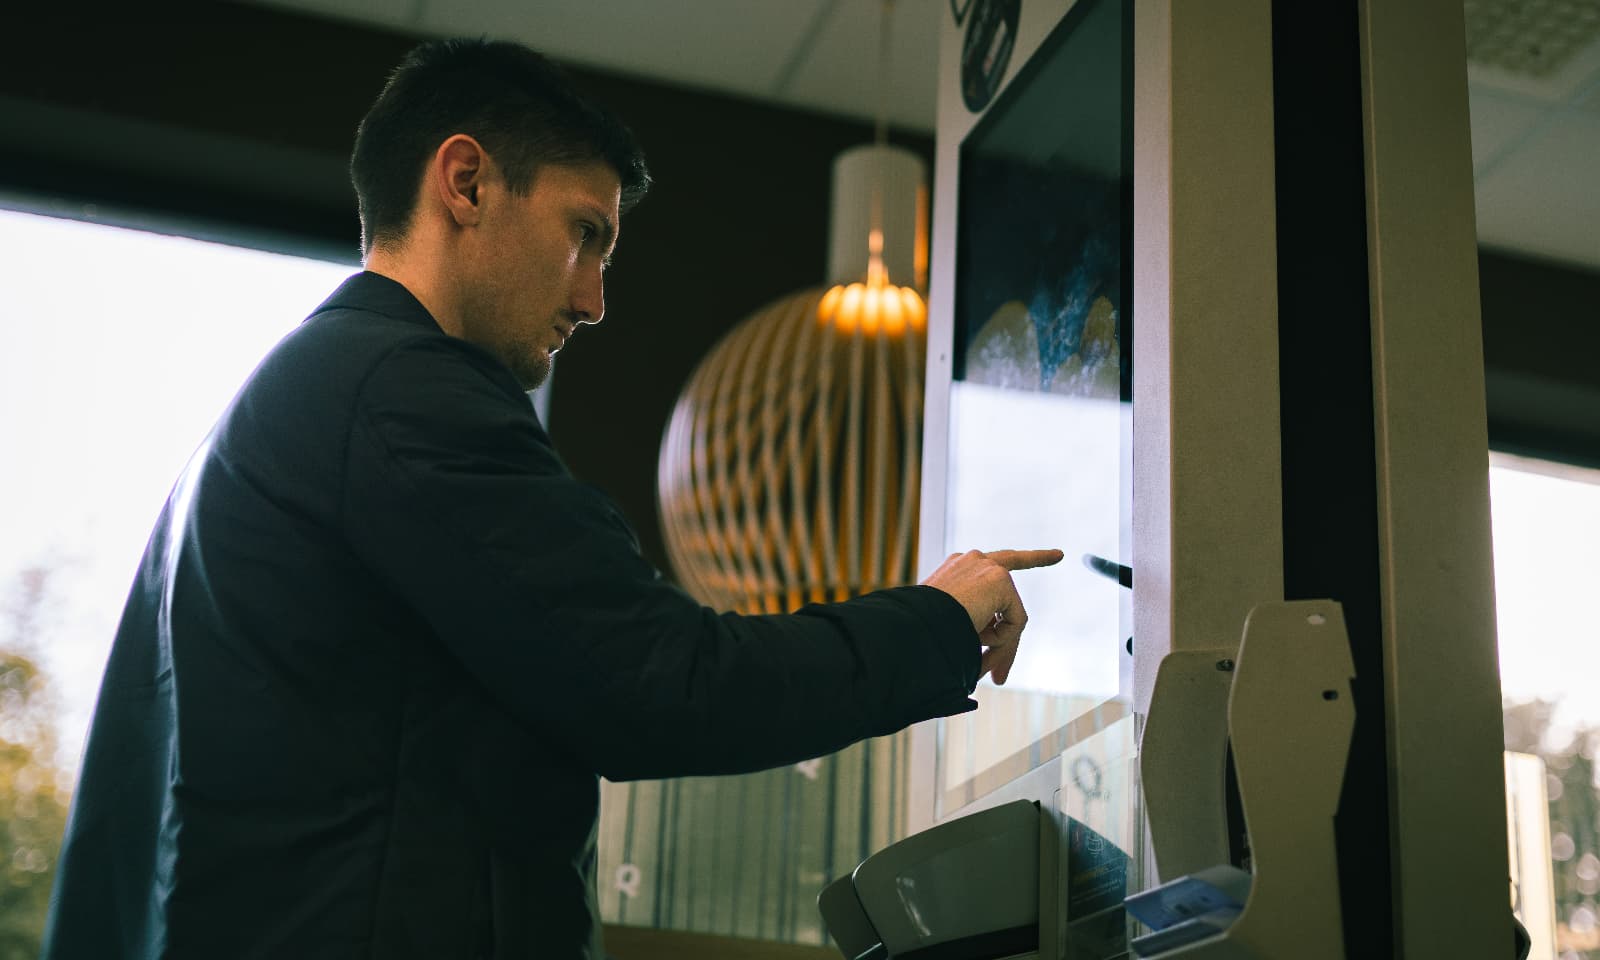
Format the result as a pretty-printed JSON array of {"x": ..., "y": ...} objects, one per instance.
[{"x": 421, "y": 281}]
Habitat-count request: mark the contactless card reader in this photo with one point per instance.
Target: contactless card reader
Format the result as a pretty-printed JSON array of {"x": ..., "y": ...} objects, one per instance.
[
  {"x": 1277, "y": 711},
  {"x": 967, "y": 889}
]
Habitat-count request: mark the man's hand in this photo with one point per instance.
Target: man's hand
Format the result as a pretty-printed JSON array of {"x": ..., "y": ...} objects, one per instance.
[{"x": 981, "y": 582}]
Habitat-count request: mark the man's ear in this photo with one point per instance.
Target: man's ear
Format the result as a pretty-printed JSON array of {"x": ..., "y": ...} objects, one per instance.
[{"x": 456, "y": 176}]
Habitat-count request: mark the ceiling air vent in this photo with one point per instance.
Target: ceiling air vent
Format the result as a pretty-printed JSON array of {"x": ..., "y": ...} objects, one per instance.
[{"x": 1532, "y": 38}]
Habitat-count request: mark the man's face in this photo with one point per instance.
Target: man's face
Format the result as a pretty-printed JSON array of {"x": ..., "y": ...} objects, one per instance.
[{"x": 537, "y": 266}]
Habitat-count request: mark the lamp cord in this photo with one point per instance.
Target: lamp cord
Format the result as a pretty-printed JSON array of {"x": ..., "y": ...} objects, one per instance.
[{"x": 877, "y": 276}]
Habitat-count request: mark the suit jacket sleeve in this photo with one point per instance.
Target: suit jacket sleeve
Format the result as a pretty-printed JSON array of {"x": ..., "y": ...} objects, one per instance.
[{"x": 454, "y": 496}]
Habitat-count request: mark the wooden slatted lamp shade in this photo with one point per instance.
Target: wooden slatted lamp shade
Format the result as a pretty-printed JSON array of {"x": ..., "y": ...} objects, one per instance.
[{"x": 790, "y": 468}]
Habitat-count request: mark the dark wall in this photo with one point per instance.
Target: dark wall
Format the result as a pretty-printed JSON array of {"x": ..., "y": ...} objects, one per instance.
[
  {"x": 235, "y": 122},
  {"x": 1541, "y": 345},
  {"x": 230, "y": 116}
]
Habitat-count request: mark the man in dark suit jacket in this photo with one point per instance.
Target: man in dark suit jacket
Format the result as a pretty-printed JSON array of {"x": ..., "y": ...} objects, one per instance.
[{"x": 381, "y": 644}]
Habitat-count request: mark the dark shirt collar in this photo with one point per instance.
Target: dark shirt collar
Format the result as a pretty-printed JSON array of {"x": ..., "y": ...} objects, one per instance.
[{"x": 377, "y": 293}]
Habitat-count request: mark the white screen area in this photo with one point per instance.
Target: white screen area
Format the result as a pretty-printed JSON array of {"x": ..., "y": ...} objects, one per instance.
[
  {"x": 1041, "y": 470},
  {"x": 1028, "y": 470}
]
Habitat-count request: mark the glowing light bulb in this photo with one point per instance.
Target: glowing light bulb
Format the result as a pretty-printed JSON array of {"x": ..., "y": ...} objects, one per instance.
[{"x": 871, "y": 307}]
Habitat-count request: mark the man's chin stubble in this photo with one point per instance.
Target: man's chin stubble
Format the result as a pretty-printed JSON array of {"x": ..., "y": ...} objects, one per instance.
[{"x": 532, "y": 369}]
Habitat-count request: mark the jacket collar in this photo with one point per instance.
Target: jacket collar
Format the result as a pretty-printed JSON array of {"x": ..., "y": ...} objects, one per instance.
[{"x": 376, "y": 293}]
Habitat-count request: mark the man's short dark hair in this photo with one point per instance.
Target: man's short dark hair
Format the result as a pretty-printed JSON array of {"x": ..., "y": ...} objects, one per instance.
[{"x": 517, "y": 104}]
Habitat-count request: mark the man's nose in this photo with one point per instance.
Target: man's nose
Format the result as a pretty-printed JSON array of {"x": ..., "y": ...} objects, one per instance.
[{"x": 589, "y": 299}]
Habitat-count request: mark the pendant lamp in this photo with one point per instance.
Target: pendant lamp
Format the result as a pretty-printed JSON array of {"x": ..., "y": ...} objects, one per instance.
[{"x": 790, "y": 468}]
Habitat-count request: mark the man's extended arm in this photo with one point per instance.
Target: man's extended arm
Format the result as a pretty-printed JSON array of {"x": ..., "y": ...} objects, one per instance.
[{"x": 532, "y": 580}]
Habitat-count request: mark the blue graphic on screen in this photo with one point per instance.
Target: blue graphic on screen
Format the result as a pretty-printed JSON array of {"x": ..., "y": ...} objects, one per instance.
[
  {"x": 1043, "y": 220},
  {"x": 1043, "y": 300}
]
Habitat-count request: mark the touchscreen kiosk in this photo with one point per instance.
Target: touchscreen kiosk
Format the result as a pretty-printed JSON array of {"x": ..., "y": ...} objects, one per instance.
[{"x": 1038, "y": 445}]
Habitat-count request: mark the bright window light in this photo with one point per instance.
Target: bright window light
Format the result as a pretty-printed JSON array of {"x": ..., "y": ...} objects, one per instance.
[
  {"x": 121, "y": 349},
  {"x": 1546, "y": 520},
  {"x": 1547, "y": 565}
]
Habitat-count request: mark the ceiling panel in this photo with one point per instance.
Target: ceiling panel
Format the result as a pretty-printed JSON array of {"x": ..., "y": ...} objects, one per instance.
[
  {"x": 387, "y": 13},
  {"x": 1499, "y": 122},
  {"x": 841, "y": 74},
  {"x": 1544, "y": 43},
  {"x": 1544, "y": 198},
  {"x": 1591, "y": 102},
  {"x": 734, "y": 46}
]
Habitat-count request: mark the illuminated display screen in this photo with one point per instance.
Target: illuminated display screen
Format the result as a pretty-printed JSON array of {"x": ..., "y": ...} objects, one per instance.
[{"x": 1040, "y": 422}]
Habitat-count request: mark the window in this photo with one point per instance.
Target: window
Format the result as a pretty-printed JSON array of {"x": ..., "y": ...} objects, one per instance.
[
  {"x": 120, "y": 349},
  {"x": 1547, "y": 566}
]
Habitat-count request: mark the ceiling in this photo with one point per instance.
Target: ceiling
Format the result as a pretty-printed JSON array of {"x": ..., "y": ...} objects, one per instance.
[{"x": 1533, "y": 77}]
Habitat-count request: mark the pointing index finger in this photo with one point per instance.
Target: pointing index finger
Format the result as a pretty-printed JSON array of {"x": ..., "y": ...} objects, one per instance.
[{"x": 1024, "y": 559}]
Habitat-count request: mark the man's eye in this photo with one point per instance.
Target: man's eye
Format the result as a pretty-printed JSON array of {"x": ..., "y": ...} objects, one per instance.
[{"x": 587, "y": 231}]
